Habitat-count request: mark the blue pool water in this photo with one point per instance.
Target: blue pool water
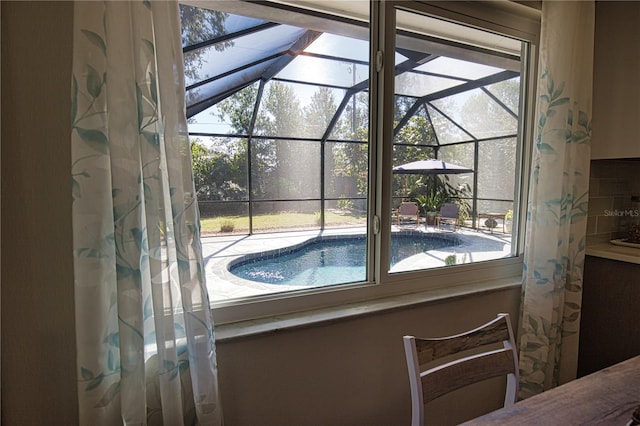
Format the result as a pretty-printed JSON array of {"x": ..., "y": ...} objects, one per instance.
[{"x": 329, "y": 261}]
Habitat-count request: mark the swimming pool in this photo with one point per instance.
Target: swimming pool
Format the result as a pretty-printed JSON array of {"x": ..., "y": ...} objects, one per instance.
[{"x": 329, "y": 260}]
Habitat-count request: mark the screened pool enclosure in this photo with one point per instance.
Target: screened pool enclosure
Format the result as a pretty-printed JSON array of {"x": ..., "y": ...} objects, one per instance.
[{"x": 279, "y": 117}]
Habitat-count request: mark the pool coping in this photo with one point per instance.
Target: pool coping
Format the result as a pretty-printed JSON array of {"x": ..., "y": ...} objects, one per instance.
[{"x": 218, "y": 273}]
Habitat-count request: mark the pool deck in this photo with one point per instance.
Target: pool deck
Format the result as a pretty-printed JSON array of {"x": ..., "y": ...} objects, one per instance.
[{"x": 218, "y": 251}]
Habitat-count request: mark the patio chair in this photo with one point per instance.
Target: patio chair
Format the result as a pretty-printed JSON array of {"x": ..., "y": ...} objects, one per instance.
[
  {"x": 408, "y": 210},
  {"x": 448, "y": 214},
  {"x": 441, "y": 365}
]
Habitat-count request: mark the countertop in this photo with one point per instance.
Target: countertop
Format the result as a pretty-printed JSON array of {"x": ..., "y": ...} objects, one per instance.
[{"x": 613, "y": 252}]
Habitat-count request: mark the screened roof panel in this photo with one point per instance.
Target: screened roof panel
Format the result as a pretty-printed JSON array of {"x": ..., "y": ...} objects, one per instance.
[
  {"x": 507, "y": 92},
  {"x": 419, "y": 85},
  {"x": 218, "y": 59},
  {"x": 209, "y": 121},
  {"x": 218, "y": 89},
  {"x": 242, "y": 51},
  {"x": 446, "y": 130},
  {"x": 457, "y": 68},
  {"x": 325, "y": 71},
  {"x": 478, "y": 114},
  {"x": 339, "y": 46}
]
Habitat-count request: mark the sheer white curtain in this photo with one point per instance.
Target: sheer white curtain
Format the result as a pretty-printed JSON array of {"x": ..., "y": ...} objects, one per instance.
[
  {"x": 145, "y": 342},
  {"x": 556, "y": 220}
]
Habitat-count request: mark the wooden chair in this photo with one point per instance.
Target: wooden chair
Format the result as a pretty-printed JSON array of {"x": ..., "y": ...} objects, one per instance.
[
  {"x": 432, "y": 382},
  {"x": 410, "y": 210},
  {"x": 448, "y": 214}
]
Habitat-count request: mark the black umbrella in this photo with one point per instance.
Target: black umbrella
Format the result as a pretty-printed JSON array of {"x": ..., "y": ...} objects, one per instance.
[{"x": 430, "y": 167}]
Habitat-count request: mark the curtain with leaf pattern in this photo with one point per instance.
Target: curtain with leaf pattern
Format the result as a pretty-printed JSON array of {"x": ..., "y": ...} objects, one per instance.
[
  {"x": 145, "y": 339},
  {"x": 558, "y": 196}
]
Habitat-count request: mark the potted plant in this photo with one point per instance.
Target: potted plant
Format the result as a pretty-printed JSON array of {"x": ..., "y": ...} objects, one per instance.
[
  {"x": 436, "y": 192},
  {"x": 431, "y": 203},
  {"x": 508, "y": 221}
]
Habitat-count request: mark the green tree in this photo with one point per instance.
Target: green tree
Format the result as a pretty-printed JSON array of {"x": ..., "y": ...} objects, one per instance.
[
  {"x": 320, "y": 111},
  {"x": 215, "y": 175}
]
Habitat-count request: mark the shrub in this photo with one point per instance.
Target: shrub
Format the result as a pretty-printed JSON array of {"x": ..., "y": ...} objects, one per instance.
[
  {"x": 450, "y": 260},
  {"x": 343, "y": 203},
  {"x": 509, "y": 215},
  {"x": 227, "y": 226}
]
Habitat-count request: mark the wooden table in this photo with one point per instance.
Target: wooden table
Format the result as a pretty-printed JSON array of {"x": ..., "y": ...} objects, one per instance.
[{"x": 605, "y": 397}]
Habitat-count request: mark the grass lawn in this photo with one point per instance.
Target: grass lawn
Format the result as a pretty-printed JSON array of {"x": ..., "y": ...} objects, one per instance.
[{"x": 281, "y": 221}]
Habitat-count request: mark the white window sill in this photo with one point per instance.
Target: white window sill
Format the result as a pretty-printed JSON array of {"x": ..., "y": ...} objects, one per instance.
[{"x": 249, "y": 328}]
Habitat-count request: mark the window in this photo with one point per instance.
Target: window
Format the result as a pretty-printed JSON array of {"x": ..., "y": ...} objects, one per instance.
[{"x": 301, "y": 150}]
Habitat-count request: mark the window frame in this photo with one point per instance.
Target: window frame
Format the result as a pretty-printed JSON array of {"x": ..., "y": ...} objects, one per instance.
[{"x": 382, "y": 284}]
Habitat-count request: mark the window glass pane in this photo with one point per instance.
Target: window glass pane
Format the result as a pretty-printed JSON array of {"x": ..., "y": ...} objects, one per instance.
[
  {"x": 282, "y": 112},
  {"x": 283, "y": 169},
  {"x": 463, "y": 110}
]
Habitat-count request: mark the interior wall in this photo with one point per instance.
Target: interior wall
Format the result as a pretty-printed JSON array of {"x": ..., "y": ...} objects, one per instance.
[
  {"x": 352, "y": 372},
  {"x": 38, "y": 350},
  {"x": 348, "y": 372}
]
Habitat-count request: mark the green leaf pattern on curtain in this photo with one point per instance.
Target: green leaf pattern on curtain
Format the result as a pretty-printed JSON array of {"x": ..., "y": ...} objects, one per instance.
[
  {"x": 558, "y": 198},
  {"x": 145, "y": 340}
]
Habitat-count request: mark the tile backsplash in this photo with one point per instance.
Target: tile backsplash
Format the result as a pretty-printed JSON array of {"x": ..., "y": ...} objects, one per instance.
[{"x": 612, "y": 183}]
